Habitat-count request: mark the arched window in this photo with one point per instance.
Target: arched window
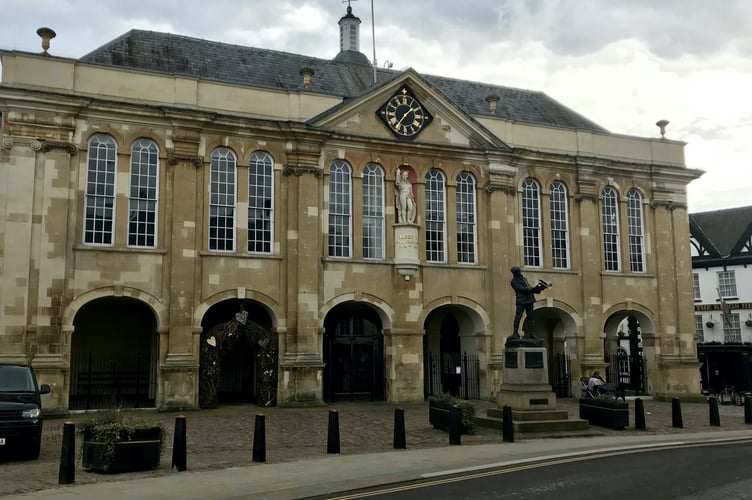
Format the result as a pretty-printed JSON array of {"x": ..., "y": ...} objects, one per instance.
[
  {"x": 559, "y": 226},
  {"x": 531, "y": 223},
  {"x": 99, "y": 205},
  {"x": 260, "y": 202},
  {"x": 143, "y": 195},
  {"x": 222, "y": 200},
  {"x": 636, "y": 225},
  {"x": 340, "y": 209},
  {"x": 373, "y": 212},
  {"x": 435, "y": 216},
  {"x": 610, "y": 218},
  {"x": 465, "y": 206}
]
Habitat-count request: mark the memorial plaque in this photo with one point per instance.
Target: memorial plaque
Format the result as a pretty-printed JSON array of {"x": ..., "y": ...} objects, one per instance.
[
  {"x": 534, "y": 359},
  {"x": 510, "y": 360},
  {"x": 534, "y": 402}
]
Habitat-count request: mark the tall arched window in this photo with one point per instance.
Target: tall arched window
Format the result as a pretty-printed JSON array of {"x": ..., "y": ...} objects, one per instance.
[
  {"x": 143, "y": 195},
  {"x": 465, "y": 206},
  {"x": 559, "y": 226},
  {"x": 340, "y": 209},
  {"x": 531, "y": 223},
  {"x": 610, "y": 219},
  {"x": 260, "y": 202},
  {"x": 435, "y": 216},
  {"x": 99, "y": 204},
  {"x": 636, "y": 231},
  {"x": 222, "y": 200},
  {"x": 373, "y": 212}
]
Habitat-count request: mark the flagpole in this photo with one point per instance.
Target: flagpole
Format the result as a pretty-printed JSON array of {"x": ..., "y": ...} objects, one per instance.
[{"x": 373, "y": 34}]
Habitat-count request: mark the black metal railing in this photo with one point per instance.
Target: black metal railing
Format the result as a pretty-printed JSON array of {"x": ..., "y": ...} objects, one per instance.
[
  {"x": 561, "y": 375},
  {"x": 104, "y": 382},
  {"x": 455, "y": 375},
  {"x": 628, "y": 373}
]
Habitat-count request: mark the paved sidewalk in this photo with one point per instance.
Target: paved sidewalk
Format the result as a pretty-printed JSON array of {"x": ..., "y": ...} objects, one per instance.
[
  {"x": 339, "y": 473},
  {"x": 220, "y": 444}
]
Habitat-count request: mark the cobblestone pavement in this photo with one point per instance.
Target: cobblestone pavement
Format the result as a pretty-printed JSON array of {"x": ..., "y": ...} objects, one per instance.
[{"x": 222, "y": 438}]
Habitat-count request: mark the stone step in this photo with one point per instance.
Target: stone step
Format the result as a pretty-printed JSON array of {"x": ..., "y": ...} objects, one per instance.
[
  {"x": 524, "y": 415},
  {"x": 574, "y": 425}
]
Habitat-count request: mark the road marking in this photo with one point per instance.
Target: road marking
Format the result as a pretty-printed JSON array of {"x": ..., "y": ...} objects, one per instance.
[{"x": 524, "y": 464}]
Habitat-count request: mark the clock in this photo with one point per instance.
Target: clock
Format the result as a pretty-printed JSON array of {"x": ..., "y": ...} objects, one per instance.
[{"x": 404, "y": 115}]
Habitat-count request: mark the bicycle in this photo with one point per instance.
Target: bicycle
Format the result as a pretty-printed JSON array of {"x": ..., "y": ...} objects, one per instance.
[{"x": 729, "y": 396}]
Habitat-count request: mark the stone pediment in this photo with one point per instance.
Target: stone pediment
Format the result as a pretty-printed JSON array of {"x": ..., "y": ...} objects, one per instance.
[{"x": 408, "y": 109}]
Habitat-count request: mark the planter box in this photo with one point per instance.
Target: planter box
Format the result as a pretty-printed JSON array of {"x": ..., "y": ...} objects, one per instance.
[
  {"x": 438, "y": 416},
  {"x": 611, "y": 413},
  {"x": 141, "y": 452}
]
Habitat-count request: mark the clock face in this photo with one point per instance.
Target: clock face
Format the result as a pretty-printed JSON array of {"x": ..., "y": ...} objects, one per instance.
[{"x": 404, "y": 114}]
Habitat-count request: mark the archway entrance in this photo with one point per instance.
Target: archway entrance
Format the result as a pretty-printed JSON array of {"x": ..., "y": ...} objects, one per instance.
[
  {"x": 451, "y": 363},
  {"x": 238, "y": 355},
  {"x": 623, "y": 351},
  {"x": 114, "y": 354},
  {"x": 353, "y": 354}
]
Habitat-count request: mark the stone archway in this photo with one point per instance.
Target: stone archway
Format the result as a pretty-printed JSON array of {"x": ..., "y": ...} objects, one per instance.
[
  {"x": 114, "y": 355},
  {"x": 238, "y": 355}
]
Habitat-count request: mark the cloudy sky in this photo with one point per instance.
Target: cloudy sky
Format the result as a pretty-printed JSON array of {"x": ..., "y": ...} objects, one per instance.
[{"x": 622, "y": 63}]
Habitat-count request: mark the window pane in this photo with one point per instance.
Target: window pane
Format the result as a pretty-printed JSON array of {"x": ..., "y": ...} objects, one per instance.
[
  {"x": 435, "y": 216},
  {"x": 559, "y": 226},
  {"x": 610, "y": 217},
  {"x": 222, "y": 200},
  {"x": 531, "y": 223},
  {"x": 340, "y": 209},
  {"x": 635, "y": 222},
  {"x": 465, "y": 208},
  {"x": 100, "y": 190},
  {"x": 260, "y": 203},
  {"x": 142, "y": 200},
  {"x": 373, "y": 212}
]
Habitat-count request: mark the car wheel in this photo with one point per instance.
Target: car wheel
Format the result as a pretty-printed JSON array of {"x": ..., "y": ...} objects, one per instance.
[{"x": 33, "y": 452}]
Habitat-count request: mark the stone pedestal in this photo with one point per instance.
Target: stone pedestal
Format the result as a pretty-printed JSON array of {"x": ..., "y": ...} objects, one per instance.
[
  {"x": 525, "y": 385},
  {"x": 406, "y": 258}
]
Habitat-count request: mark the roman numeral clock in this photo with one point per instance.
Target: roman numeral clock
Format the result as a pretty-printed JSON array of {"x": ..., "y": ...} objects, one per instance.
[{"x": 404, "y": 115}]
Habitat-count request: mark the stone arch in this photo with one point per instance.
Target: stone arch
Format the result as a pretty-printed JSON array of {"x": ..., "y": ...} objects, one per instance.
[
  {"x": 158, "y": 308},
  {"x": 382, "y": 309},
  {"x": 476, "y": 313},
  {"x": 269, "y": 304},
  {"x": 617, "y": 312}
]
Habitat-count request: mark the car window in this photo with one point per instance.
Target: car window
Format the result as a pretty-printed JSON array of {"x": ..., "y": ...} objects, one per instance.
[{"x": 16, "y": 379}]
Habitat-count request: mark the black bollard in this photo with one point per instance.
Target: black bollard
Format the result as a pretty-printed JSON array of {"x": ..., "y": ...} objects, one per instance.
[
  {"x": 399, "y": 429},
  {"x": 259, "y": 439},
  {"x": 676, "y": 416},
  {"x": 748, "y": 408},
  {"x": 67, "y": 472},
  {"x": 507, "y": 425},
  {"x": 179, "y": 447},
  {"x": 455, "y": 425},
  {"x": 332, "y": 439},
  {"x": 639, "y": 416},
  {"x": 714, "y": 416}
]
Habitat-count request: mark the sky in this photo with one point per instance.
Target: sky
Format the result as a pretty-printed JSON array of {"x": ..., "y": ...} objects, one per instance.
[{"x": 624, "y": 64}]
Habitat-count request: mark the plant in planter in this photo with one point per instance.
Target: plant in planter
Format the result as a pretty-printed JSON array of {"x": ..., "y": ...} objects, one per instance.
[
  {"x": 439, "y": 408},
  {"x": 113, "y": 442},
  {"x": 605, "y": 411}
]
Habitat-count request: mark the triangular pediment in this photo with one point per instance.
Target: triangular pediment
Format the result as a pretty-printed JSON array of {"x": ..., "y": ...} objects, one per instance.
[{"x": 407, "y": 109}]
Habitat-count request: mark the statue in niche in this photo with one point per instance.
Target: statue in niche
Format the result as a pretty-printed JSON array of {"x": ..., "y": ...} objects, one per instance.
[{"x": 404, "y": 197}]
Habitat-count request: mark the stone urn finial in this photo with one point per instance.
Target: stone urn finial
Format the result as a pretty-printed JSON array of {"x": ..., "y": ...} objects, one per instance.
[{"x": 46, "y": 34}]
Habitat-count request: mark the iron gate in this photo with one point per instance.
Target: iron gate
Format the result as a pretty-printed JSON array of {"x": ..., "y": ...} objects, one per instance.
[
  {"x": 628, "y": 372},
  {"x": 560, "y": 375},
  {"x": 104, "y": 382},
  {"x": 439, "y": 376}
]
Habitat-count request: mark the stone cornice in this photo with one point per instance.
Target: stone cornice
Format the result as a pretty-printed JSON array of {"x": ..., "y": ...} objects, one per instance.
[
  {"x": 58, "y": 145},
  {"x": 668, "y": 205},
  {"x": 504, "y": 188},
  {"x": 586, "y": 196}
]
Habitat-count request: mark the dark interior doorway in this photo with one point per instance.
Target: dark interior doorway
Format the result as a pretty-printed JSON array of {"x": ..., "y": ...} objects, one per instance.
[{"x": 353, "y": 354}]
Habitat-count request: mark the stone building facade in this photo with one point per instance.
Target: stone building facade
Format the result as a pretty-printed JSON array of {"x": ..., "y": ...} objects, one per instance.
[{"x": 155, "y": 187}]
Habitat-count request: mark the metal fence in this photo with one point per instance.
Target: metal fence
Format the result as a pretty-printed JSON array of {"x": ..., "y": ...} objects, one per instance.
[
  {"x": 454, "y": 374},
  {"x": 629, "y": 373},
  {"x": 103, "y": 382},
  {"x": 561, "y": 375}
]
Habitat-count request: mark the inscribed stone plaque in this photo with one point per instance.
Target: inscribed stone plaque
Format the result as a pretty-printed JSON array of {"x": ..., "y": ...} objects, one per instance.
[
  {"x": 534, "y": 359},
  {"x": 510, "y": 360}
]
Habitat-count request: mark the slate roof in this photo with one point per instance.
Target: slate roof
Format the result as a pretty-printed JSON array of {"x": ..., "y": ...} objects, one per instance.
[
  {"x": 209, "y": 60},
  {"x": 722, "y": 232}
]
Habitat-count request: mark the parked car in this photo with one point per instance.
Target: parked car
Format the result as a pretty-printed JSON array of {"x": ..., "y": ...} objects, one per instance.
[{"x": 20, "y": 411}]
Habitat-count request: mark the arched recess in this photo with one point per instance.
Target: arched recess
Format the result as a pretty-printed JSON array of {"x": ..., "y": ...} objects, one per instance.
[
  {"x": 238, "y": 354},
  {"x": 265, "y": 301},
  {"x": 381, "y": 308},
  {"x": 158, "y": 308},
  {"x": 353, "y": 352},
  {"x": 114, "y": 351},
  {"x": 455, "y": 349},
  {"x": 626, "y": 327},
  {"x": 557, "y": 324}
]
